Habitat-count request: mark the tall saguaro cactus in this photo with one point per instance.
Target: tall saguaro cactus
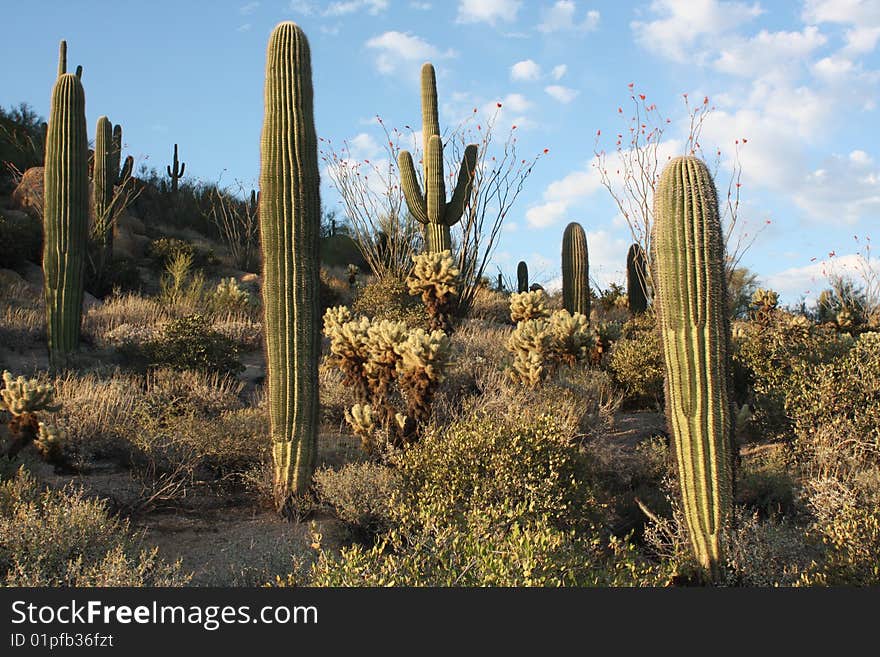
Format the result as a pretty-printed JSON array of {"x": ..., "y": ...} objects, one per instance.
[
  {"x": 106, "y": 176},
  {"x": 637, "y": 279},
  {"x": 175, "y": 170},
  {"x": 431, "y": 208},
  {"x": 691, "y": 303},
  {"x": 575, "y": 270},
  {"x": 290, "y": 224},
  {"x": 65, "y": 216},
  {"x": 522, "y": 277}
]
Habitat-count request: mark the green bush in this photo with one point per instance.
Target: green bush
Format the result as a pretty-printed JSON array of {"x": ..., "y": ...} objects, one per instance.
[
  {"x": 851, "y": 549},
  {"x": 637, "y": 360},
  {"x": 21, "y": 240},
  {"x": 389, "y": 298},
  {"x": 62, "y": 538},
  {"x": 359, "y": 493},
  {"x": 189, "y": 343},
  {"x": 770, "y": 360}
]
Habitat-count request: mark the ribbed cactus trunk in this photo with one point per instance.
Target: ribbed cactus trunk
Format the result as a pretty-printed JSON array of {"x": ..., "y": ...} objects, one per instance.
[
  {"x": 575, "y": 270},
  {"x": 637, "y": 279},
  {"x": 65, "y": 217},
  {"x": 290, "y": 223},
  {"x": 522, "y": 277},
  {"x": 691, "y": 304},
  {"x": 431, "y": 208},
  {"x": 104, "y": 178}
]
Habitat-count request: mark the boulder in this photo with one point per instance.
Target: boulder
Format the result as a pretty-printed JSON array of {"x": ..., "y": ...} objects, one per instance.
[
  {"x": 28, "y": 195},
  {"x": 132, "y": 224}
]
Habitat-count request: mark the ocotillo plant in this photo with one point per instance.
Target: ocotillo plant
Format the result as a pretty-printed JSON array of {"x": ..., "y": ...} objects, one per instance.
[
  {"x": 575, "y": 270},
  {"x": 522, "y": 277},
  {"x": 290, "y": 225},
  {"x": 691, "y": 304},
  {"x": 175, "y": 171},
  {"x": 636, "y": 279},
  {"x": 431, "y": 208},
  {"x": 66, "y": 216}
]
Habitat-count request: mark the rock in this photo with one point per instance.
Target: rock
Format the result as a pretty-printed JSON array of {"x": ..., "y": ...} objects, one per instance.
[
  {"x": 128, "y": 245},
  {"x": 33, "y": 274},
  {"x": 132, "y": 224},
  {"x": 8, "y": 278},
  {"x": 28, "y": 196}
]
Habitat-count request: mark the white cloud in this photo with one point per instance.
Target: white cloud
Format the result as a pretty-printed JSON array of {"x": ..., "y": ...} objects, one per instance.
[
  {"x": 769, "y": 53},
  {"x": 396, "y": 49},
  {"x": 844, "y": 189},
  {"x": 244, "y": 27},
  {"x": 862, "y": 15},
  {"x": 562, "y": 94},
  {"x": 561, "y": 16},
  {"x": 363, "y": 146},
  {"x": 487, "y": 11},
  {"x": 342, "y": 8},
  {"x": 682, "y": 24},
  {"x": 526, "y": 70},
  {"x": 420, "y": 6},
  {"x": 305, "y": 7},
  {"x": 809, "y": 280},
  {"x": 249, "y": 8},
  {"x": 559, "y": 71},
  {"x": 546, "y": 214},
  {"x": 516, "y": 102}
]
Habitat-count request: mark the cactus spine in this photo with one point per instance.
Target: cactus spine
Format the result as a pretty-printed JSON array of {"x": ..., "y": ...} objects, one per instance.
[
  {"x": 66, "y": 217},
  {"x": 522, "y": 277},
  {"x": 575, "y": 270},
  {"x": 637, "y": 279},
  {"x": 691, "y": 304},
  {"x": 290, "y": 223},
  {"x": 175, "y": 171},
  {"x": 431, "y": 208}
]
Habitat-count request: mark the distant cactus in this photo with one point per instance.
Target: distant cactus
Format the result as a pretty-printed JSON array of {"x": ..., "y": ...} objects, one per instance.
[
  {"x": 575, "y": 270},
  {"x": 66, "y": 217},
  {"x": 539, "y": 346},
  {"x": 175, "y": 171},
  {"x": 434, "y": 276},
  {"x": 23, "y": 399},
  {"x": 764, "y": 302},
  {"x": 431, "y": 208},
  {"x": 290, "y": 225},
  {"x": 51, "y": 442},
  {"x": 528, "y": 305},
  {"x": 522, "y": 277},
  {"x": 637, "y": 279},
  {"x": 691, "y": 304}
]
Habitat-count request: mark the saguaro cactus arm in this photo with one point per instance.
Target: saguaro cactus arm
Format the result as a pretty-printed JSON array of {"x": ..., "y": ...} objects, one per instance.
[
  {"x": 409, "y": 183},
  {"x": 461, "y": 194}
]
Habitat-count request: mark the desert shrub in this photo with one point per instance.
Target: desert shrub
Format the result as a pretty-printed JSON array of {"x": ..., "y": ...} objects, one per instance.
[
  {"x": 180, "y": 287},
  {"x": 165, "y": 249},
  {"x": 765, "y": 482},
  {"x": 229, "y": 297},
  {"x": 488, "y": 502},
  {"x": 241, "y": 329},
  {"x": 769, "y": 361},
  {"x": 533, "y": 553},
  {"x": 359, "y": 493},
  {"x": 851, "y": 549},
  {"x": 490, "y": 305},
  {"x": 435, "y": 278},
  {"x": 21, "y": 239},
  {"x": 22, "y": 313},
  {"x": 335, "y": 397},
  {"x": 388, "y": 298},
  {"x": 636, "y": 361},
  {"x": 140, "y": 314},
  {"x": 62, "y": 538},
  {"x": 190, "y": 343}
]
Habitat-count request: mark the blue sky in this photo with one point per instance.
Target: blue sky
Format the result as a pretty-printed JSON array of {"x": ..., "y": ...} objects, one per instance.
[{"x": 797, "y": 79}]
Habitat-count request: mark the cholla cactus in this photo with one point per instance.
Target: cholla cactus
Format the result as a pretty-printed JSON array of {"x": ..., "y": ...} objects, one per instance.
[
  {"x": 845, "y": 319},
  {"x": 530, "y": 346},
  {"x": 435, "y": 277},
  {"x": 360, "y": 418},
  {"x": 381, "y": 368},
  {"x": 571, "y": 337},
  {"x": 764, "y": 302},
  {"x": 528, "y": 305},
  {"x": 352, "y": 275},
  {"x": 421, "y": 368},
  {"x": 229, "y": 295},
  {"x": 22, "y": 396},
  {"x": 349, "y": 347},
  {"x": 50, "y": 443}
]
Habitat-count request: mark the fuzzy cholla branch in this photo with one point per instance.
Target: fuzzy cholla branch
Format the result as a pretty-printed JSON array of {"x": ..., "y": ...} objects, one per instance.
[
  {"x": 538, "y": 346},
  {"x": 435, "y": 277},
  {"x": 528, "y": 305},
  {"x": 21, "y": 396},
  {"x": 421, "y": 368}
]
